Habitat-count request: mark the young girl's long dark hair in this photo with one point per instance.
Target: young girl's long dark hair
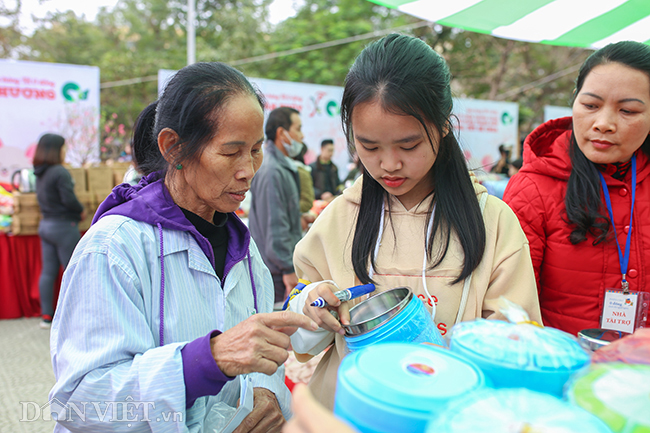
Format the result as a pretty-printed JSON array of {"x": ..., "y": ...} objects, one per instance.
[
  {"x": 409, "y": 78},
  {"x": 583, "y": 201}
]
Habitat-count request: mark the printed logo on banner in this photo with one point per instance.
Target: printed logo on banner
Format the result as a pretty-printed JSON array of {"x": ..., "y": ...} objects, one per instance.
[
  {"x": 72, "y": 92},
  {"x": 506, "y": 118},
  {"x": 331, "y": 106}
]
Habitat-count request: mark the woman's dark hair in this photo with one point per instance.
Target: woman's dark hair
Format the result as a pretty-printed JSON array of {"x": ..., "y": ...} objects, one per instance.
[
  {"x": 191, "y": 105},
  {"x": 144, "y": 147},
  {"x": 407, "y": 77},
  {"x": 583, "y": 201},
  {"x": 48, "y": 150}
]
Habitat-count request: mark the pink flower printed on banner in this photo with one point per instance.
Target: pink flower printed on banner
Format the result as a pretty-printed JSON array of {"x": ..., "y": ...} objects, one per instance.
[{"x": 31, "y": 150}]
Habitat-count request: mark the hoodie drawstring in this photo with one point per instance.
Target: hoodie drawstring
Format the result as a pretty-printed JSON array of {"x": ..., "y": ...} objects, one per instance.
[
  {"x": 468, "y": 280},
  {"x": 162, "y": 288},
  {"x": 250, "y": 272}
]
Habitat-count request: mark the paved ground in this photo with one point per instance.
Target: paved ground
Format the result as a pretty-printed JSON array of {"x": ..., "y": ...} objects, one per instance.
[{"x": 26, "y": 376}]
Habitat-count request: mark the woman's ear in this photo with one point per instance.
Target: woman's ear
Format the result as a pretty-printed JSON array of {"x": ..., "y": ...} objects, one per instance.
[{"x": 167, "y": 138}]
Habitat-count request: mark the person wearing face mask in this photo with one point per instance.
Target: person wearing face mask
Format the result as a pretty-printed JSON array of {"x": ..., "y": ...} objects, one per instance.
[{"x": 274, "y": 218}]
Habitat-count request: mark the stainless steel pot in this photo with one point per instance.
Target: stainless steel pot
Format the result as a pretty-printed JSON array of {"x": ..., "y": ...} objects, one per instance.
[
  {"x": 593, "y": 339},
  {"x": 374, "y": 311}
]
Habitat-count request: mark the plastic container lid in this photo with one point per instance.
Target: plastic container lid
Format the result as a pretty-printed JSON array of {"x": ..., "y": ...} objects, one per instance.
[
  {"x": 399, "y": 386},
  {"x": 514, "y": 410},
  {"x": 522, "y": 346},
  {"x": 617, "y": 393}
]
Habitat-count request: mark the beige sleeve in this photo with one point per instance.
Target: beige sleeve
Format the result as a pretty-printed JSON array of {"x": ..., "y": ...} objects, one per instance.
[
  {"x": 512, "y": 275},
  {"x": 513, "y": 279}
]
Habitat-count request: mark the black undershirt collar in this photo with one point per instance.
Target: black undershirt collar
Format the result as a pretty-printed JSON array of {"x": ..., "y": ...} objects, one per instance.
[{"x": 216, "y": 233}]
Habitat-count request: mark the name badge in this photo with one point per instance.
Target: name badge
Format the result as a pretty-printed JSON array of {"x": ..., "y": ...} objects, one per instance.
[{"x": 624, "y": 312}]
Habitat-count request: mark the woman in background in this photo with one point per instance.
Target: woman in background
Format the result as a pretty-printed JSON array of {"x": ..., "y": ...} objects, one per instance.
[
  {"x": 572, "y": 167},
  {"x": 61, "y": 211}
]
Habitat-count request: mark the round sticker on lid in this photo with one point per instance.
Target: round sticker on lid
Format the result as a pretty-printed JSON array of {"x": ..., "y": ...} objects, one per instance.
[{"x": 420, "y": 369}]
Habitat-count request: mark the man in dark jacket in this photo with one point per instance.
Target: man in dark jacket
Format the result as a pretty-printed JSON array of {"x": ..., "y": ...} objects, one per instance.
[
  {"x": 274, "y": 218},
  {"x": 324, "y": 173}
]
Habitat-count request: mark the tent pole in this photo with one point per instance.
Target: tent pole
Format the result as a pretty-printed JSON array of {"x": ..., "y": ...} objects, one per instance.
[{"x": 191, "y": 33}]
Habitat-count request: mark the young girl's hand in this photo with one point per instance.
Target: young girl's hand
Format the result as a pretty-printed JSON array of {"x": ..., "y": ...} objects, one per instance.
[{"x": 324, "y": 317}]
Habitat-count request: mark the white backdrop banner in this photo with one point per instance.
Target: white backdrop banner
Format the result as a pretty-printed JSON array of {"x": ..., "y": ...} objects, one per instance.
[
  {"x": 36, "y": 98},
  {"x": 319, "y": 108},
  {"x": 484, "y": 125},
  {"x": 555, "y": 112}
]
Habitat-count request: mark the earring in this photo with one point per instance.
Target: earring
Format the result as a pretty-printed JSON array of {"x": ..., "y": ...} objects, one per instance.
[{"x": 179, "y": 166}]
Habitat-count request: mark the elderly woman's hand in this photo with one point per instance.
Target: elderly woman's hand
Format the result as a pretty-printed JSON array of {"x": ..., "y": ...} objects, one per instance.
[
  {"x": 259, "y": 343},
  {"x": 266, "y": 415},
  {"x": 323, "y": 316}
]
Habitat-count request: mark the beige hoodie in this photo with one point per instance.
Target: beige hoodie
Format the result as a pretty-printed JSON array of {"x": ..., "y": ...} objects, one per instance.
[{"x": 505, "y": 270}]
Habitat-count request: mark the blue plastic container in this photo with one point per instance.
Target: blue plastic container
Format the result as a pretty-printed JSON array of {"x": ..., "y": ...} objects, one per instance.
[
  {"x": 400, "y": 387},
  {"x": 520, "y": 355},
  {"x": 413, "y": 324},
  {"x": 508, "y": 410}
]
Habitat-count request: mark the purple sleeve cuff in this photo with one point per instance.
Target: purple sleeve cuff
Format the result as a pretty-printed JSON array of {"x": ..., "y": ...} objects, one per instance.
[{"x": 201, "y": 374}]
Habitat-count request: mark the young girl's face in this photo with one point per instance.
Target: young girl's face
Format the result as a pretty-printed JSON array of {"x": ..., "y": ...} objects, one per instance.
[{"x": 396, "y": 151}]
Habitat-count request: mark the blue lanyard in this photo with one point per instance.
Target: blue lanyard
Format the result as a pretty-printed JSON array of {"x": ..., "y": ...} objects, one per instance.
[{"x": 623, "y": 259}]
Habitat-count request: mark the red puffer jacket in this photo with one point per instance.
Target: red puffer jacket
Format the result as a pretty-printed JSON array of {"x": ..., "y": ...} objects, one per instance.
[{"x": 571, "y": 279}]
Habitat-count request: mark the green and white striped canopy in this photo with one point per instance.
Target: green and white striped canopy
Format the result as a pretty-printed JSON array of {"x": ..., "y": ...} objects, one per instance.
[{"x": 578, "y": 23}]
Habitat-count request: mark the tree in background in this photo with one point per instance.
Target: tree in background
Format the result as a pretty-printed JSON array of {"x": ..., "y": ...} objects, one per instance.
[
  {"x": 317, "y": 22},
  {"x": 10, "y": 34},
  {"x": 131, "y": 42}
]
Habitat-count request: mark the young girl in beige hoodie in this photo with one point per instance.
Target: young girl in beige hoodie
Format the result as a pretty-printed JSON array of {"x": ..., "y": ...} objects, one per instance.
[{"x": 415, "y": 218}]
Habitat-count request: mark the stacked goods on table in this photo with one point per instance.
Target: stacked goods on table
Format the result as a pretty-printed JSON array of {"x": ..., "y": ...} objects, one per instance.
[
  {"x": 99, "y": 183},
  {"x": 498, "y": 376},
  {"x": 26, "y": 214},
  {"x": 91, "y": 186}
]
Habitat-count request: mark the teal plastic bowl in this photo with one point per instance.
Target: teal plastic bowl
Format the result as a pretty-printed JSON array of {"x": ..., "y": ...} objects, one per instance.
[
  {"x": 400, "y": 387},
  {"x": 520, "y": 355}
]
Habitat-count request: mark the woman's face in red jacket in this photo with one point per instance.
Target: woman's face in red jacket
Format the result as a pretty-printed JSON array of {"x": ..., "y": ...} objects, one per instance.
[{"x": 611, "y": 113}]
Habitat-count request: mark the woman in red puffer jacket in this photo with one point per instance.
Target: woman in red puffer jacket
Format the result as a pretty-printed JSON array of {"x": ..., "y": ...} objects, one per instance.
[{"x": 560, "y": 201}]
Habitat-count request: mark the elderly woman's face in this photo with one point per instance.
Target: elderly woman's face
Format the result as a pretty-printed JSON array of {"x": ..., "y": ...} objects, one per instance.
[
  {"x": 219, "y": 180},
  {"x": 611, "y": 114}
]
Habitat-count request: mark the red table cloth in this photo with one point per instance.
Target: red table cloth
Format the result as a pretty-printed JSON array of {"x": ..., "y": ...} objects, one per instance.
[{"x": 20, "y": 268}]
